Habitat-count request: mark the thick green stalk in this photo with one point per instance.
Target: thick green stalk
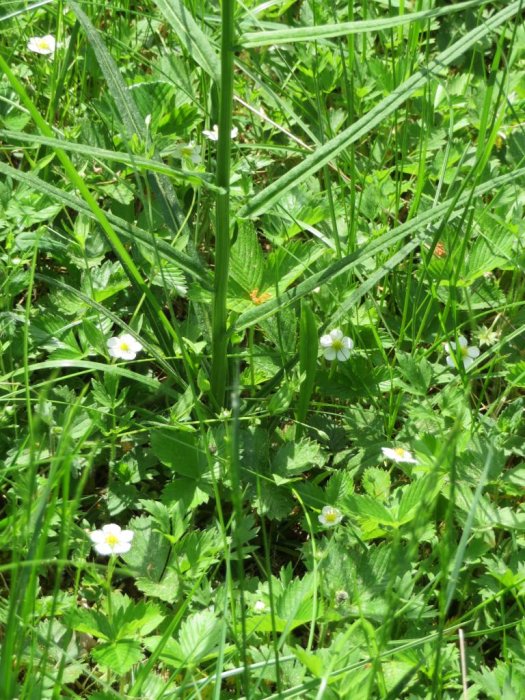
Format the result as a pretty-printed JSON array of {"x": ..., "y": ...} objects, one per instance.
[{"x": 219, "y": 369}]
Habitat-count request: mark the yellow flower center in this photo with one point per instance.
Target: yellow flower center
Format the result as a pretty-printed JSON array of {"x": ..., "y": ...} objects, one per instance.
[
  {"x": 463, "y": 350},
  {"x": 331, "y": 517},
  {"x": 43, "y": 44},
  {"x": 111, "y": 539},
  {"x": 337, "y": 345},
  {"x": 400, "y": 452},
  {"x": 124, "y": 346}
]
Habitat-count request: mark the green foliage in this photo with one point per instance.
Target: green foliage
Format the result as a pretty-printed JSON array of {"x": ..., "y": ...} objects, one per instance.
[{"x": 375, "y": 186}]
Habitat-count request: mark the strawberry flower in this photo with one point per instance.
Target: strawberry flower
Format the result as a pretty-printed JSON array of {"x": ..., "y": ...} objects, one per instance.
[
  {"x": 336, "y": 346},
  {"x": 111, "y": 539},
  {"x": 467, "y": 354}
]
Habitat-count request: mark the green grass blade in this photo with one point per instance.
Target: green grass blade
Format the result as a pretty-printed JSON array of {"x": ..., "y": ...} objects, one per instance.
[
  {"x": 102, "y": 154},
  {"x": 219, "y": 368},
  {"x": 29, "y": 8},
  {"x": 191, "y": 36},
  {"x": 366, "y": 26},
  {"x": 86, "y": 367},
  {"x": 310, "y": 165}
]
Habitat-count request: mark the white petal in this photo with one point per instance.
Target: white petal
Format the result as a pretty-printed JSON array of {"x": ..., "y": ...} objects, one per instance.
[
  {"x": 474, "y": 352},
  {"x": 213, "y": 135},
  {"x": 343, "y": 354},
  {"x": 450, "y": 362},
  {"x": 326, "y": 341},
  {"x": 113, "y": 342},
  {"x": 337, "y": 334},
  {"x": 234, "y": 132},
  {"x": 463, "y": 342},
  {"x": 467, "y": 361},
  {"x": 389, "y": 453},
  {"x": 103, "y": 548},
  {"x": 97, "y": 536},
  {"x": 127, "y": 535},
  {"x": 348, "y": 342},
  {"x": 121, "y": 547},
  {"x": 329, "y": 354},
  {"x": 111, "y": 529}
]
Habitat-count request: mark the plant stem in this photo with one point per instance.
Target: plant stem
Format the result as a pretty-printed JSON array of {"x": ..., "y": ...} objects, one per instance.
[{"x": 219, "y": 369}]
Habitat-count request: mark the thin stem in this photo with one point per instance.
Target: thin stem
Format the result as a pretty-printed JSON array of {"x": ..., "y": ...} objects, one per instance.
[{"x": 219, "y": 370}]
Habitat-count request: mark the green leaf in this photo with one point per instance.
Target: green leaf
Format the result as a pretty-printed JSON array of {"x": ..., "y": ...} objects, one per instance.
[
  {"x": 376, "y": 482},
  {"x": 200, "y": 635},
  {"x": 167, "y": 589},
  {"x": 340, "y": 485},
  {"x": 171, "y": 278},
  {"x": 295, "y": 604},
  {"x": 90, "y": 622},
  {"x": 416, "y": 371},
  {"x": 119, "y": 656},
  {"x": 132, "y": 619},
  {"x": 419, "y": 496},
  {"x": 134, "y": 160},
  {"x": 150, "y": 550},
  {"x": 369, "y": 509},
  {"x": 297, "y": 457},
  {"x": 179, "y": 450},
  {"x": 489, "y": 251},
  {"x": 246, "y": 258},
  {"x": 273, "y": 501}
]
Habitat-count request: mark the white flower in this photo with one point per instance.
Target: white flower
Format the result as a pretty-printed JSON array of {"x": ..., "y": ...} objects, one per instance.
[
  {"x": 398, "y": 454},
  {"x": 213, "y": 135},
  {"x": 124, "y": 347},
  {"x": 188, "y": 152},
  {"x": 486, "y": 336},
  {"x": 259, "y": 606},
  {"x": 44, "y": 45},
  {"x": 111, "y": 539},
  {"x": 330, "y": 516},
  {"x": 466, "y": 353},
  {"x": 336, "y": 345}
]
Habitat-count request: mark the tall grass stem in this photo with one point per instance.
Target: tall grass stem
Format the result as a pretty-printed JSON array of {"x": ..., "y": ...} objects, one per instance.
[{"x": 219, "y": 370}]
